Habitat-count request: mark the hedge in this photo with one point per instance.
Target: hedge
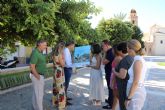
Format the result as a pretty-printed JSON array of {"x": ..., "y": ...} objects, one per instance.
[{"x": 20, "y": 78}]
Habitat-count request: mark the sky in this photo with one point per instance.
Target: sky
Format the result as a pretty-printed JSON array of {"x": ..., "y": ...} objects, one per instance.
[{"x": 149, "y": 12}]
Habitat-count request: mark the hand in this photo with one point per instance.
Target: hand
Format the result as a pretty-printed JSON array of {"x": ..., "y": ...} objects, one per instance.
[
  {"x": 111, "y": 86},
  {"x": 127, "y": 103},
  {"x": 37, "y": 76},
  {"x": 113, "y": 70},
  {"x": 112, "y": 83}
]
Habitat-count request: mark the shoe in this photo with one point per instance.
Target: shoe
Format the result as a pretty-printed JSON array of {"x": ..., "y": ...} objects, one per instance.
[
  {"x": 106, "y": 100},
  {"x": 68, "y": 103},
  {"x": 98, "y": 104},
  {"x": 68, "y": 98},
  {"x": 107, "y": 107}
]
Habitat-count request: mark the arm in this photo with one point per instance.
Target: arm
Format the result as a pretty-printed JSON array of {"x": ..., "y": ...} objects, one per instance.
[
  {"x": 121, "y": 74},
  {"x": 108, "y": 57},
  {"x": 67, "y": 57},
  {"x": 105, "y": 61},
  {"x": 34, "y": 71},
  {"x": 124, "y": 66},
  {"x": 61, "y": 60},
  {"x": 33, "y": 62},
  {"x": 137, "y": 73},
  {"x": 91, "y": 57}
]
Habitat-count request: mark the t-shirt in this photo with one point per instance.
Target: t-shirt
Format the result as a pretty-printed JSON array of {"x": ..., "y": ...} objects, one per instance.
[
  {"x": 39, "y": 59},
  {"x": 143, "y": 71},
  {"x": 108, "y": 67},
  {"x": 125, "y": 63}
]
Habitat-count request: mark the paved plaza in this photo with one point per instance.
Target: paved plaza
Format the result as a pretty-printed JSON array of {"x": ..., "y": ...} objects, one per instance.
[{"x": 20, "y": 99}]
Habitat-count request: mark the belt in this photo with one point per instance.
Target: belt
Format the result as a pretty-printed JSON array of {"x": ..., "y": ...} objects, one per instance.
[
  {"x": 68, "y": 67},
  {"x": 38, "y": 73}
]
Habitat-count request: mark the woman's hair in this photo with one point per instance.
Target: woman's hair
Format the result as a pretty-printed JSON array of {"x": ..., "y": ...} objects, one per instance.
[
  {"x": 122, "y": 47},
  {"x": 56, "y": 49},
  {"x": 116, "y": 53},
  {"x": 96, "y": 49},
  {"x": 136, "y": 46}
]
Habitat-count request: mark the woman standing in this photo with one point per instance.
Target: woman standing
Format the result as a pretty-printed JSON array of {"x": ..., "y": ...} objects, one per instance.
[
  {"x": 96, "y": 79},
  {"x": 121, "y": 72},
  {"x": 135, "y": 88},
  {"x": 59, "y": 96},
  {"x": 113, "y": 83}
]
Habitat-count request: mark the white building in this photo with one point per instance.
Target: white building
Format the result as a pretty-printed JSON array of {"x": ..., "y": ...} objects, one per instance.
[
  {"x": 23, "y": 53},
  {"x": 156, "y": 42}
]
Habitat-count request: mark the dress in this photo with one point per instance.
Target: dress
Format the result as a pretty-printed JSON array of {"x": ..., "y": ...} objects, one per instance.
[
  {"x": 139, "y": 97},
  {"x": 59, "y": 96},
  {"x": 113, "y": 78},
  {"x": 96, "y": 83}
]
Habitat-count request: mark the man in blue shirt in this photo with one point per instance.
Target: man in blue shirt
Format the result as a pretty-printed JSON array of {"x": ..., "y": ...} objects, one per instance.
[{"x": 68, "y": 66}]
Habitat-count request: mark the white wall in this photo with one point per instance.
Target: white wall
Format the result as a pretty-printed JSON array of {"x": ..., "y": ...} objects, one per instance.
[
  {"x": 20, "y": 52},
  {"x": 158, "y": 47}
]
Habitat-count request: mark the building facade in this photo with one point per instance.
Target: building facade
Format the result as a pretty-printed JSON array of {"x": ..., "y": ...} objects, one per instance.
[{"x": 155, "y": 44}]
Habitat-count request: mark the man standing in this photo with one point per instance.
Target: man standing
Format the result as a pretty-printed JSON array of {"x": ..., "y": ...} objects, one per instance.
[
  {"x": 107, "y": 61},
  {"x": 38, "y": 69},
  {"x": 68, "y": 65}
]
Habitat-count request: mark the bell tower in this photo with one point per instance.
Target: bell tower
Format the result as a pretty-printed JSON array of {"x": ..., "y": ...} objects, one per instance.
[{"x": 134, "y": 17}]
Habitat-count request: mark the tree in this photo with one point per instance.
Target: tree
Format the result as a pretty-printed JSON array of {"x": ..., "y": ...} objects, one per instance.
[
  {"x": 121, "y": 16},
  {"x": 72, "y": 21},
  {"x": 53, "y": 20},
  {"x": 116, "y": 30},
  {"x": 137, "y": 33},
  {"x": 27, "y": 20}
]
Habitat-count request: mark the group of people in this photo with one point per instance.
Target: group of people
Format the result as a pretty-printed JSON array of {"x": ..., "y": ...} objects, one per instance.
[
  {"x": 62, "y": 64},
  {"x": 124, "y": 73}
]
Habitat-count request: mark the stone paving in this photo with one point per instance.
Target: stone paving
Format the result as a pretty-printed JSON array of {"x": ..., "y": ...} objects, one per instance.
[{"x": 20, "y": 99}]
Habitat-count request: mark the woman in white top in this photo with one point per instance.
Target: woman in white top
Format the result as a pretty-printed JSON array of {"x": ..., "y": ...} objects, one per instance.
[
  {"x": 136, "y": 92},
  {"x": 96, "y": 78}
]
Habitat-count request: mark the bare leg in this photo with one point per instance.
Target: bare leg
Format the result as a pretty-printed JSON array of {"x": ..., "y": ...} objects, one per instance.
[
  {"x": 94, "y": 101},
  {"x": 115, "y": 100},
  {"x": 98, "y": 102}
]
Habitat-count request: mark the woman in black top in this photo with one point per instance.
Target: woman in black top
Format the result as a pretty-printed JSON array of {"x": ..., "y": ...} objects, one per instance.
[{"x": 121, "y": 73}]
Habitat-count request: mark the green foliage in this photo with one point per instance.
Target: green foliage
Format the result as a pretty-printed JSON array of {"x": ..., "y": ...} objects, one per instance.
[
  {"x": 16, "y": 79},
  {"x": 72, "y": 24},
  {"x": 137, "y": 33},
  {"x": 116, "y": 30},
  {"x": 27, "y": 20},
  {"x": 53, "y": 20},
  {"x": 6, "y": 51},
  {"x": 161, "y": 63}
]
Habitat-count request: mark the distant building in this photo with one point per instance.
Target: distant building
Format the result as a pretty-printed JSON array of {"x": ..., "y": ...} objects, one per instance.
[
  {"x": 133, "y": 17},
  {"x": 23, "y": 53},
  {"x": 155, "y": 41}
]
